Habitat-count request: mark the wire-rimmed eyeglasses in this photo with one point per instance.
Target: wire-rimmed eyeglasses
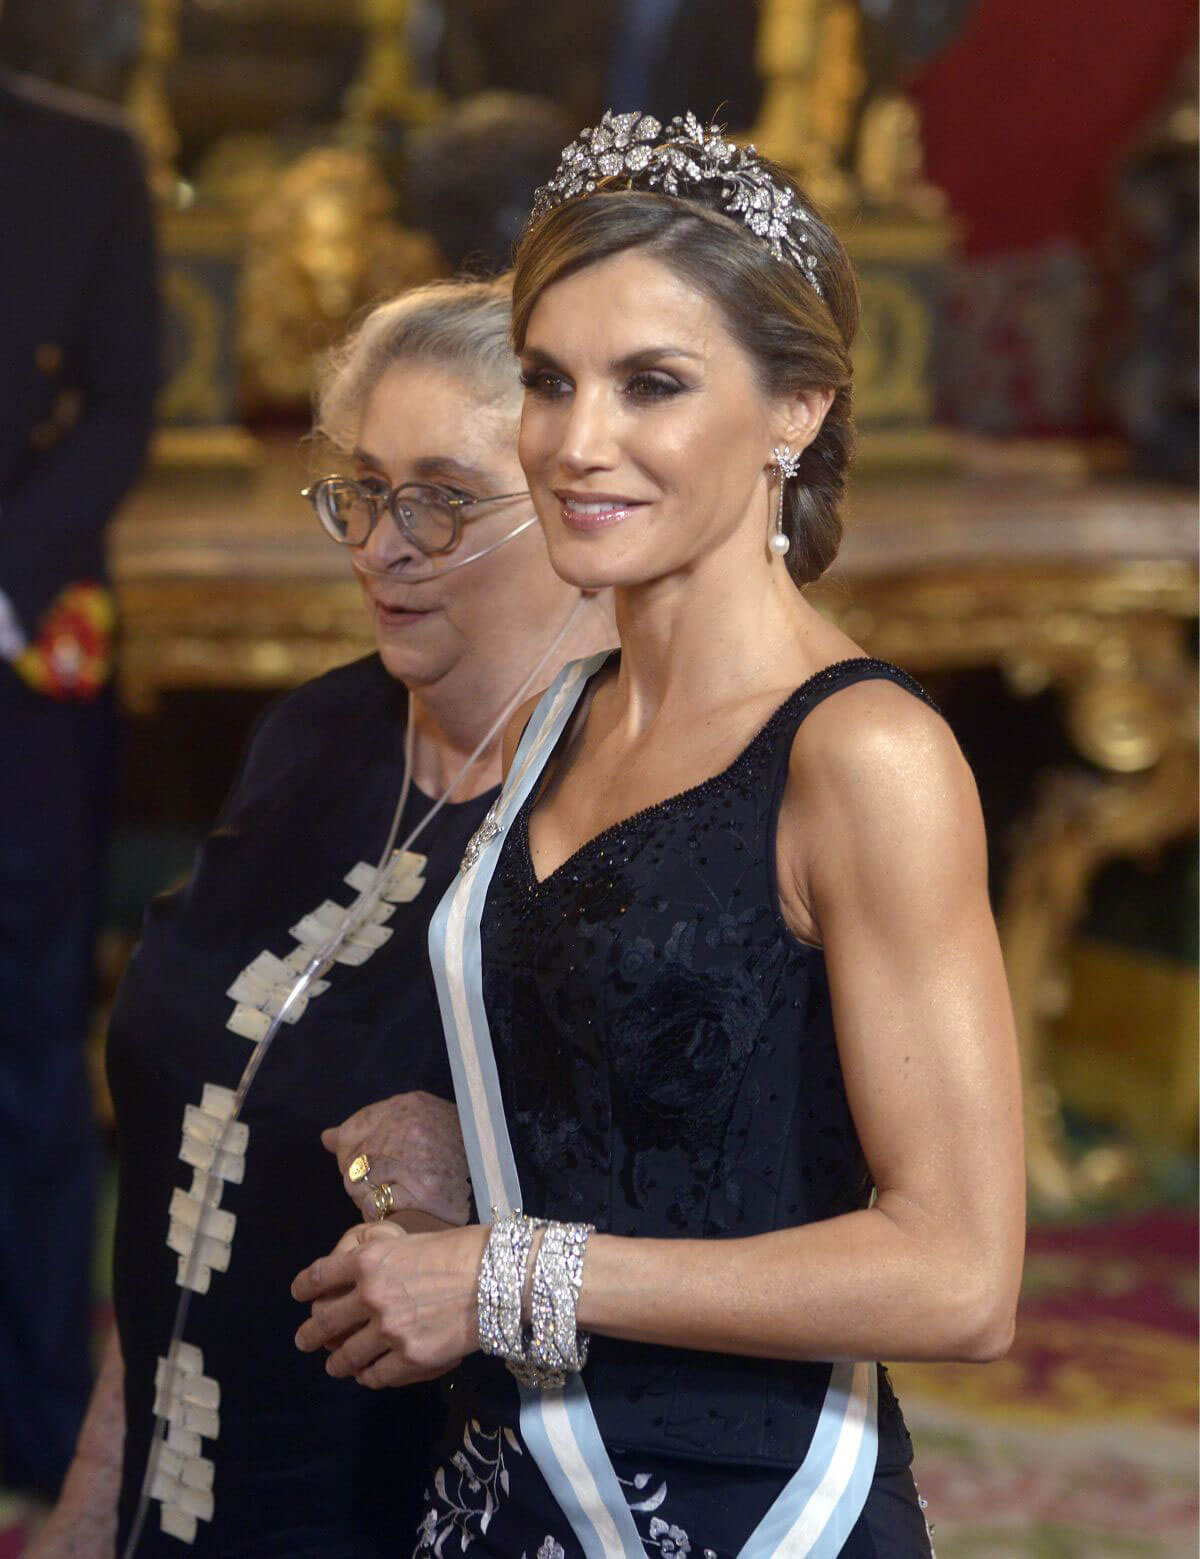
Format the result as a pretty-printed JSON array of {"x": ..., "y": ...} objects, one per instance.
[{"x": 349, "y": 508}]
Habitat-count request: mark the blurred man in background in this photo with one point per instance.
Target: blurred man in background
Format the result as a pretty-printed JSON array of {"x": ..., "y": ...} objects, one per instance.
[{"x": 78, "y": 374}]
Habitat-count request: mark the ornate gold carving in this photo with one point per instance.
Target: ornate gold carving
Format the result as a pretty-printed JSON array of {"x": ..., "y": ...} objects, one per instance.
[
  {"x": 810, "y": 58},
  {"x": 1081, "y": 822},
  {"x": 235, "y": 634},
  {"x": 810, "y": 55},
  {"x": 385, "y": 88},
  {"x": 891, "y": 158},
  {"x": 1124, "y": 1049},
  {"x": 321, "y": 247},
  {"x": 1120, "y": 722},
  {"x": 238, "y": 171}
]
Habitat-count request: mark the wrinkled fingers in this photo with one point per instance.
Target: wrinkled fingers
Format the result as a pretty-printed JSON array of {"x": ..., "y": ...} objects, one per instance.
[
  {"x": 358, "y": 1351},
  {"x": 330, "y": 1275},
  {"x": 392, "y": 1369},
  {"x": 332, "y": 1319}
]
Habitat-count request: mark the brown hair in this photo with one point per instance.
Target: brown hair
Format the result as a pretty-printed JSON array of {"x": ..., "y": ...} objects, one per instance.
[{"x": 796, "y": 338}]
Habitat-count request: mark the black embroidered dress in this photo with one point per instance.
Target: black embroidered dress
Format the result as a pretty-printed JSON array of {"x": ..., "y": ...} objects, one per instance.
[
  {"x": 667, "y": 1058},
  {"x": 306, "y": 1467}
]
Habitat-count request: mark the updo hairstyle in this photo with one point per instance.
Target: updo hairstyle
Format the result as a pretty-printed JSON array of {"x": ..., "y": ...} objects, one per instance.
[
  {"x": 796, "y": 339},
  {"x": 460, "y": 325}
]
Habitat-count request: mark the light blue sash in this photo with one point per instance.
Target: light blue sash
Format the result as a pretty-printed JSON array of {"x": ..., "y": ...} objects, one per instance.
[{"x": 813, "y": 1516}]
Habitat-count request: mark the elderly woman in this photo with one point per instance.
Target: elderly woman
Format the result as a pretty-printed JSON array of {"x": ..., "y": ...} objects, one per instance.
[
  {"x": 724, "y": 998},
  {"x": 256, "y": 1453}
]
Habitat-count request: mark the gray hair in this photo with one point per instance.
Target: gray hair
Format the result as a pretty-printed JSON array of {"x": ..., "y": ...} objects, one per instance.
[{"x": 463, "y": 325}]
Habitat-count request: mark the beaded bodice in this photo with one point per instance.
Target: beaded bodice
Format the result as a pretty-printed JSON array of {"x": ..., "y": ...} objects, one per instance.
[
  {"x": 665, "y": 1045},
  {"x": 667, "y": 1055}
]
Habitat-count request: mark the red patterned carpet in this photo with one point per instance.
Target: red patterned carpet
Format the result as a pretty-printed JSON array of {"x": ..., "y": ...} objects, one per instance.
[{"x": 1082, "y": 1443}]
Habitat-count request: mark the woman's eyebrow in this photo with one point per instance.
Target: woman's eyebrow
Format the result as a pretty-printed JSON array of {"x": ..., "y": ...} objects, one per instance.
[
  {"x": 448, "y": 465},
  {"x": 645, "y": 357},
  {"x": 540, "y": 359},
  {"x": 426, "y": 466},
  {"x": 537, "y": 357}
]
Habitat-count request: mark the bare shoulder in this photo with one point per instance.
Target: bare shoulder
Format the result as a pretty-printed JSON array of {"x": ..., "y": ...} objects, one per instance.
[
  {"x": 876, "y": 778},
  {"x": 873, "y": 732}
]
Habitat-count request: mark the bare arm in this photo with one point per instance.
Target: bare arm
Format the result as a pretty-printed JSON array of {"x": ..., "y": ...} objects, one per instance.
[
  {"x": 882, "y": 856},
  {"x": 83, "y": 1524}
]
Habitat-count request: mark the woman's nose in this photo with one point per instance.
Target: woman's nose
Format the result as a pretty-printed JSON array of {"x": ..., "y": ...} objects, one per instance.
[
  {"x": 588, "y": 438},
  {"x": 387, "y": 548}
]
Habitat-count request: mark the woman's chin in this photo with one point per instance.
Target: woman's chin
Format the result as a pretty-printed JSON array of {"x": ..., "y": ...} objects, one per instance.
[
  {"x": 589, "y": 566},
  {"x": 408, "y": 663}
]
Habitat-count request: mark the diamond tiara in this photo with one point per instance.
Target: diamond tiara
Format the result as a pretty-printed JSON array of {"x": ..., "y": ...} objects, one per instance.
[{"x": 673, "y": 160}]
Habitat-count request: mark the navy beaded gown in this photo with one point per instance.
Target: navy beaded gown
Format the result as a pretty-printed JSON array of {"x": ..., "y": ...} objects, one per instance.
[
  {"x": 669, "y": 1068},
  {"x": 303, "y": 1466}
]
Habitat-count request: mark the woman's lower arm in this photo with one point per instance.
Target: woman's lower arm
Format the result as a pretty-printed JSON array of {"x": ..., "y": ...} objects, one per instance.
[
  {"x": 869, "y": 1284},
  {"x": 83, "y": 1524}
]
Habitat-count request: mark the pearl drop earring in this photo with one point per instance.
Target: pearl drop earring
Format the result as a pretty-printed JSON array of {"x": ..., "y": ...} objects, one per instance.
[{"x": 787, "y": 465}]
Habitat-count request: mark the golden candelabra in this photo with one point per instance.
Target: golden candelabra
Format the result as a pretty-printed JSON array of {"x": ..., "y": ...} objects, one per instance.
[
  {"x": 859, "y": 157},
  {"x": 810, "y": 59},
  {"x": 384, "y": 87},
  {"x": 148, "y": 100}
]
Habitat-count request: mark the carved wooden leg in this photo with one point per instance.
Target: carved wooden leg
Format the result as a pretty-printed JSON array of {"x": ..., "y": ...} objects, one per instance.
[{"x": 1081, "y": 822}]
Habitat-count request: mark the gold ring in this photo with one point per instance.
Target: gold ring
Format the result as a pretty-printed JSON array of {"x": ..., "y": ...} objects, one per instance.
[
  {"x": 383, "y": 1200},
  {"x": 359, "y": 1169}
]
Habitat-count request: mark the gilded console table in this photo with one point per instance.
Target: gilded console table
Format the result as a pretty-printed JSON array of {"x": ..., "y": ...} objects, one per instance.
[{"x": 1086, "y": 588}]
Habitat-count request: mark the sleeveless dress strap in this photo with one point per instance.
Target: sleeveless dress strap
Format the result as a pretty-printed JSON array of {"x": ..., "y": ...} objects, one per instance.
[
  {"x": 848, "y": 673},
  {"x": 807, "y": 697},
  {"x": 814, "y": 1515}
]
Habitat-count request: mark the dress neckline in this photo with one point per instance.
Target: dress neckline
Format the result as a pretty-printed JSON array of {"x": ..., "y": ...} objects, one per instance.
[{"x": 689, "y": 793}]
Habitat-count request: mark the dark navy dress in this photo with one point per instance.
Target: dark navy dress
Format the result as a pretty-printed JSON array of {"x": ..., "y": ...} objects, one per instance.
[
  {"x": 306, "y": 1467},
  {"x": 667, "y": 1057}
]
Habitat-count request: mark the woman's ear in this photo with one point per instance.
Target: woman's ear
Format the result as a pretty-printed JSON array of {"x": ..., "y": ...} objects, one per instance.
[{"x": 802, "y": 414}]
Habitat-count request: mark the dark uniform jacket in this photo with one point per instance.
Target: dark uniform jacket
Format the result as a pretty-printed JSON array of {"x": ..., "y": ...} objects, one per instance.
[{"x": 79, "y": 344}]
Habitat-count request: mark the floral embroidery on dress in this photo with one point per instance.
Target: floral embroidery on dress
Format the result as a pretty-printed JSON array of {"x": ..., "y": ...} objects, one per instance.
[
  {"x": 470, "y": 1489},
  {"x": 465, "y": 1506}
]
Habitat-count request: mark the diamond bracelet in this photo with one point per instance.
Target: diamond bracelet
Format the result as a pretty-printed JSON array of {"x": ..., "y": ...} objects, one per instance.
[
  {"x": 501, "y": 1281},
  {"x": 557, "y": 1346},
  {"x": 554, "y": 1347}
]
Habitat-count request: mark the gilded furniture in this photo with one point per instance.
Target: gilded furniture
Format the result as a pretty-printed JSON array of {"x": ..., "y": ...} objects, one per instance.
[
  {"x": 859, "y": 156},
  {"x": 1091, "y": 591},
  {"x": 1088, "y": 588}
]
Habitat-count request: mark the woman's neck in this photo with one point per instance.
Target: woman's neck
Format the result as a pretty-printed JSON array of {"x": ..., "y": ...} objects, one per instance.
[
  {"x": 700, "y": 639},
  {"x": 451, "y": 717}
]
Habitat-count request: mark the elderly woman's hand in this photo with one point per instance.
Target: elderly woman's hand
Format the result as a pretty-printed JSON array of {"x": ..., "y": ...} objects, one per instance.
[
  {"x": 413, "y": 1143},
  {"x": 392, "y": 1307}
]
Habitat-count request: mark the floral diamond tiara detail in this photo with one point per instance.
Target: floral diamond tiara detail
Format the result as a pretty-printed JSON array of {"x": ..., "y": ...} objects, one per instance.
[{"x": 674, "y": 160}]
